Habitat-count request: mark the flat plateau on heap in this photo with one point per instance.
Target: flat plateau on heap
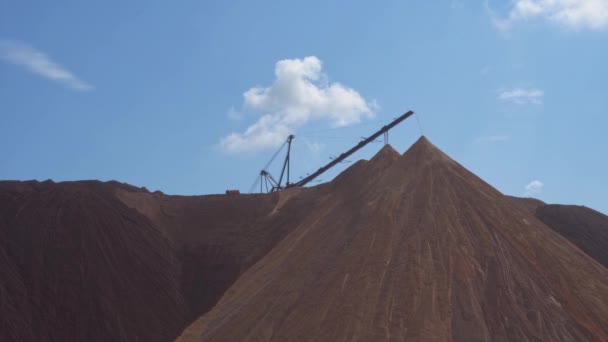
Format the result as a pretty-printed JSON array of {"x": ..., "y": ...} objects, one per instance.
[{"x": 414, "y": 247}]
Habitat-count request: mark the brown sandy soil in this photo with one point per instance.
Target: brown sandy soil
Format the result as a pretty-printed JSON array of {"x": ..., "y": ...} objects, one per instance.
[
  {"x": 585, "y": 227},
  {"x": 218, "y": 237},
  {"x": 78, "y": 265},
  {"x": 409, "y": 246},
  {"x": 93, "y": 261},
  {"x": 414, "y": 248}
]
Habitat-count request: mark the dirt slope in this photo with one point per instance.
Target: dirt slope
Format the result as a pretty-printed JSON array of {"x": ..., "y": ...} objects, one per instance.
[
  {"x": 399, "y": 246},
  {"x": 78, "y": 265},
  {"x": 93, "y": 261},
  {"x": 585, "y": 227},
  {"x": 414, "y": 248},
  {"x": 219, "y": 237}
]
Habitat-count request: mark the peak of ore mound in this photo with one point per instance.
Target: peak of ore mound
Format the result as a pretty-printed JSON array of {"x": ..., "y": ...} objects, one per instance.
[{"x": 419, "y": 249}]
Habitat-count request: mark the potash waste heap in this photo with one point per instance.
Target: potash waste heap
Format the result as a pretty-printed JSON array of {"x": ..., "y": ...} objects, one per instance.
[{"x": 408, "y": 247}]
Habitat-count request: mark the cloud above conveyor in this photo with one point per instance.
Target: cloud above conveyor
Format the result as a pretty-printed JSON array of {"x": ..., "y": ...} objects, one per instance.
[{"x": 300, "y": 94}]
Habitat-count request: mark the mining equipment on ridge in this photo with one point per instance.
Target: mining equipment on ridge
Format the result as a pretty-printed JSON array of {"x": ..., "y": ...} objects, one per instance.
[
  {"x": 268, "y": 183},
  {"x": 266, "y": 180}
]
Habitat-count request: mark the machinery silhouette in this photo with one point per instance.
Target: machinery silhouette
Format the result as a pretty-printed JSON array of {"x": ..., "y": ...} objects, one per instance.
[{"x": 268, "y": 183}]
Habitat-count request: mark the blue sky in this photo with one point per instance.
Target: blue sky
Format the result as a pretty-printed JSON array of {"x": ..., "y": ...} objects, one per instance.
[{"x": 193, "y": 97}]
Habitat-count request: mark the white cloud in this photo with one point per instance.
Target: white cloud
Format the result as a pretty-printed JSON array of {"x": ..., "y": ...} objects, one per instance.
[
  {"x": 268, "y": 131},
  {"x": 492, "y": 139},
  {"x": 533, "y": 188},
  {"x": 34, "y": 61},
  {"x": 522, "y": 96},
  {"x": 299, "y": 94},
  {"x": 575, "y": 14}
]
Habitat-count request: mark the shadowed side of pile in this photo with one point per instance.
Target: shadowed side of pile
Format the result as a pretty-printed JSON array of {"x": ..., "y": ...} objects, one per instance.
[
  {"x": 585, "y": 227},
  {"x": 78, "y": 265},
  {"x": 418, "y": 249}
]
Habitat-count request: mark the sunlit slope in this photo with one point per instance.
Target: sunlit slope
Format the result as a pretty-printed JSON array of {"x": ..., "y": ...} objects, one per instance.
[{"x": 416, "y": 248}]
